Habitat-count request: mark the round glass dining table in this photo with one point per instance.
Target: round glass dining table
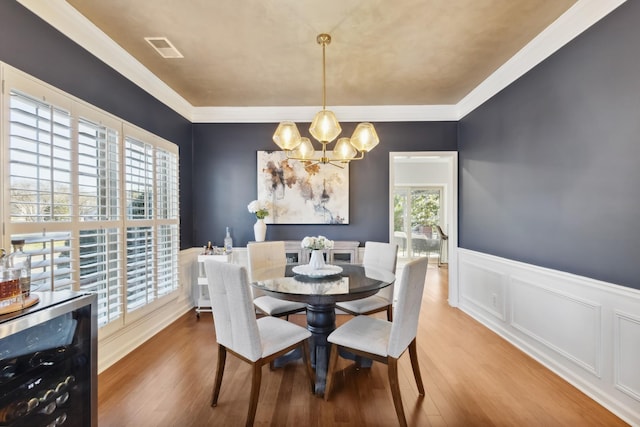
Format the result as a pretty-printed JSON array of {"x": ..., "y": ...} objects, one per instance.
[{"x": 321, "y": 294}]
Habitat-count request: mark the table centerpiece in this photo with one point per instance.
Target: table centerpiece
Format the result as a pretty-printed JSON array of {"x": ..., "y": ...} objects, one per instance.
[
  {"x": 317, "y": 245},
  {"x": 317, "y": 267}
]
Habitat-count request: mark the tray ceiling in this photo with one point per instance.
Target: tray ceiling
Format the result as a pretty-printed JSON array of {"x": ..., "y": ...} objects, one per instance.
[{"x": 383, "y": 52}]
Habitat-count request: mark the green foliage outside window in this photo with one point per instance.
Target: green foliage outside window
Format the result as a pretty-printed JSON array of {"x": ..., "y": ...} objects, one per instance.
[
  {"x": 424, "y": 209},
  {"x": 425, "y": 206}
]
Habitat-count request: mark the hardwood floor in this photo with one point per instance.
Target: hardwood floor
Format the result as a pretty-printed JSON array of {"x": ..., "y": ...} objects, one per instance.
[{"x": 472, "y": 377}]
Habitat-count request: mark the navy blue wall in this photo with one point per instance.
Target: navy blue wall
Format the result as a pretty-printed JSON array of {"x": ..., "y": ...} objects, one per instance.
[
  {"x": 33, "y": 46},
  {"x": 225, "y": 180},
  {"x": 549, "y": 167}
]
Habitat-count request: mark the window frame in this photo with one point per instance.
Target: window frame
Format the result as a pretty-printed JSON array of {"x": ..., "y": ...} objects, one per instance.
[{"x": 14, "y": 79}]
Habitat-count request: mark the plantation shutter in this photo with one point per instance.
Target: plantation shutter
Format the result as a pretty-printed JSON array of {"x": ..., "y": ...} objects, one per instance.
[
  {"x": 51, "y": 255},
  {"x": 39, "y": 160},
  {"x": 95, "y": 199},
  {"x": 167, "y": 259},
  {"x": 138, "y": 179},
  {"x": 140, "y": 267},
  {"x": 100, "y": 270},
  {"x": 98, "y": 172}
]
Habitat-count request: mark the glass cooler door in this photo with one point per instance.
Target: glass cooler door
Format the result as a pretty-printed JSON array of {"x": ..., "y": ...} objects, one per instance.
[{"x": 48, "y": 363}]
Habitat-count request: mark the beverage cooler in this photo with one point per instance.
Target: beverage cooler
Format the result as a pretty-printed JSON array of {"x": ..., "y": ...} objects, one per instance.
[{"x": 48, "y": 363}]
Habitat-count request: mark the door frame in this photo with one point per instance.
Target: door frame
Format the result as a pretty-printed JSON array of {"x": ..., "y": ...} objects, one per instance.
[{"x": 451, "y": 210}]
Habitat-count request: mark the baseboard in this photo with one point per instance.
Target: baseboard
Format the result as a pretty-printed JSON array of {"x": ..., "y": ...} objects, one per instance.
[
  {"x": 123, "y": 340},
  {"x": 119, "y": 344}
]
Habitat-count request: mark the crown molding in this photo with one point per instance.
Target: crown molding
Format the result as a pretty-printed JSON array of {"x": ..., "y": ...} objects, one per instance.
[
  {"x": 379, "y": 113},
  {"x": 569, "y": 25},
  {"x": 74, "y": 25},
  {"x": 66, "y": 19}
]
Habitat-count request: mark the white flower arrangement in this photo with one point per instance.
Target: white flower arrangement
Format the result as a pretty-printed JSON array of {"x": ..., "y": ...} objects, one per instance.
[
  {"x": 260, "y": 208},
  {"x": 315, "y": 243}
]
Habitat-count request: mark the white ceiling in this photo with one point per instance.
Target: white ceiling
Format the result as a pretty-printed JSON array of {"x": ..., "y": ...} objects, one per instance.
[{"x": 399, "y": 56}]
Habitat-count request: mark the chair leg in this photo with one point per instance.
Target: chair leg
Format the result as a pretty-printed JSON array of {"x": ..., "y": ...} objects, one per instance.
[
  {"x": 255, "y": 392},
  {"x": 306, "y": 357},
  {"x": 395, "y": 390},
  {"x": 222, "y": 357},
  {"x": 413, "y": 354},
  {"x": 333, "y": 361},
  {"x": 390, "y": 312}
]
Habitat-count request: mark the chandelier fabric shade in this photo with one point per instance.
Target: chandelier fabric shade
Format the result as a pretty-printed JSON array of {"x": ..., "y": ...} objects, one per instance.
[{"x": 325, "y": 128}]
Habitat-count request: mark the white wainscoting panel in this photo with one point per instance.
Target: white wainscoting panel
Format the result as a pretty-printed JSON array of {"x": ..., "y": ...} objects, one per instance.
[
  {"x": 487, "y": 292},
  {"x": 586, "y": 331},
  {"x": 570, "y": 325},
  {"x": 627, "y": 354}
]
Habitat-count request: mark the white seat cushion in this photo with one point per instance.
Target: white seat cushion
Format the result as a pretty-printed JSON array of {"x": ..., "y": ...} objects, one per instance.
[
  {"x": 363, "y": 333},
  {"x": 274, "y": 306},
  {"x": 276, "y": 334},
  {"x": 364, "y": 305},
  {"x": 378, "y": 255}
]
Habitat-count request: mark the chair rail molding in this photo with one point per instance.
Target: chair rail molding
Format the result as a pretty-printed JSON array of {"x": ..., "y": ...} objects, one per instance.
[{"x": 585, "y": 330}]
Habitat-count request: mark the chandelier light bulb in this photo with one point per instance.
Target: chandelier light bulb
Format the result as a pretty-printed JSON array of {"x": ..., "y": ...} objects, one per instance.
[
  {"x": 365, "y": 137},
  {"x": 304, "y": 150},
  {"x": 344, "y": 151},
  {"x": 325, "y": 126}
]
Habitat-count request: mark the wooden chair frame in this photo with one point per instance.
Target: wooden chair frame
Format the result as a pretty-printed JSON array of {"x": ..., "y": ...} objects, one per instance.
[
  {"x": 256, "y": 374},
  {"x": 392, "y": 373},
  {"x": 388, "y": 309}
]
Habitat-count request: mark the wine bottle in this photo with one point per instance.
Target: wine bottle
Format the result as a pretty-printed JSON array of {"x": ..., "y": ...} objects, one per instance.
[
  {"x": 8, "y": 369},
  {"x": 18, "y": 259},
  {"x": 16, "y": 410},
  {"x": 228, "y": 242}
]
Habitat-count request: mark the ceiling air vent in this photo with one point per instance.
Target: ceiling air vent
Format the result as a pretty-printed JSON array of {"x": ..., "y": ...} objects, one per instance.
[{"x": 164, "y": 47}]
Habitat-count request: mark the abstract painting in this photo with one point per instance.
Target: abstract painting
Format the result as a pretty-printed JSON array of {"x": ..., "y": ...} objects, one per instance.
[{"x": 302, "y": 192}]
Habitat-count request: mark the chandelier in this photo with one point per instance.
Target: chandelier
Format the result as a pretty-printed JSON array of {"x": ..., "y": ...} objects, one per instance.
[{"x": 325, "y": 128}]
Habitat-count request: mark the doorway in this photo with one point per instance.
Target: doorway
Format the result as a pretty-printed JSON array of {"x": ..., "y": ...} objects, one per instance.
[
  {"x": 417, "y": 212},
  {"x": 423, "y": 195}
]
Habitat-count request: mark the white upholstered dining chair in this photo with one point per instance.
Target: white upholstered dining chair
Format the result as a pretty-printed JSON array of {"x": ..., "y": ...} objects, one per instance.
[
  {"x": 385, "y": 341},
  {"x": 378, "y": 255},
  {"x": 255, "y": 341},
  {"x": 268, "y": 260}
]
